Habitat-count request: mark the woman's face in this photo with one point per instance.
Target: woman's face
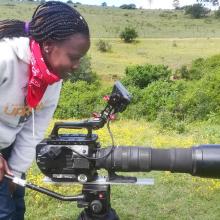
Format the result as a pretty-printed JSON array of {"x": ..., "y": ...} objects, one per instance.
[{"x": 62, "y": 58}]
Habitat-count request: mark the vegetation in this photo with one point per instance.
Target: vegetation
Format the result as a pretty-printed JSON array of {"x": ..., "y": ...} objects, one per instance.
[
  {"x": 84, "y": 72},
  {"x": 129, "y": 6},
  {"x": 108, "y": 22},
  {"x": 196, "y": 11},
  {"x": 78, "y": 100},
  {"x": 103, "y": 46},
  {"x": 141, "y": 76},
  {"x": 129, "y": 34}
]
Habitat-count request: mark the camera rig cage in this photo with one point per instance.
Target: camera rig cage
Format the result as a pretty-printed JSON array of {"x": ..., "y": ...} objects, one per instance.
[{"x": 74, "y": 157}]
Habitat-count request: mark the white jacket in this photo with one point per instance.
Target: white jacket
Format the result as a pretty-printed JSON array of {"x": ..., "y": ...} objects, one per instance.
[{"x": 16, "y": 119}]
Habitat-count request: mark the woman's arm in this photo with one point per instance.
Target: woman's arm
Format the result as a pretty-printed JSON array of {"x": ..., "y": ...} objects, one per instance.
[{"x": 23, "y": 151}]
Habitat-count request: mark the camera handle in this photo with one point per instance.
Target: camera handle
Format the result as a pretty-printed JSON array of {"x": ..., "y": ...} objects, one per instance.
[{"x": 87, "y": 124}]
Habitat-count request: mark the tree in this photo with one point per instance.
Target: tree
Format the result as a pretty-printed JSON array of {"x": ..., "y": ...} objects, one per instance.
[
  {"x": 176, "y": 4},
  {"x": 213, "y": 2},
  {"x": 104, "y": 4},
  {"x": 196, "y": 11},
  {"x": 130, "y": 6},
  {"x": 69, "y": 2}
]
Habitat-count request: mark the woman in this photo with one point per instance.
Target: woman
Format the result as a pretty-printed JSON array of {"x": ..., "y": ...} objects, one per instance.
[{"x": 34, "y": 57}]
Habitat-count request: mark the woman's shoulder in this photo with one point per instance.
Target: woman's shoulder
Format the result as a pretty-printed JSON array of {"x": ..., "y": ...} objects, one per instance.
[{"x": 17, "y": 46}]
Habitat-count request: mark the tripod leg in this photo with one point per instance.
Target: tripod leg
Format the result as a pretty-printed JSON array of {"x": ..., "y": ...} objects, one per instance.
[
  {"x": 97, "y": 204},
  {"x": 111, "y": 215}
]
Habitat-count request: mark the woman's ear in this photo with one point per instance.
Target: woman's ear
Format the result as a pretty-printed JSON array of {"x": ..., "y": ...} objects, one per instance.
[{"x": 47, "y": 47}]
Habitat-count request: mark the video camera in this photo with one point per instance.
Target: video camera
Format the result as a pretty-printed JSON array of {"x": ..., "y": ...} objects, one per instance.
[{"x": 76, "y": 158}]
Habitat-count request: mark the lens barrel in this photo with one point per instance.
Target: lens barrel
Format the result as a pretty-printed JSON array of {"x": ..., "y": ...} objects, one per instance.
[{"x": 203, "y": 160}]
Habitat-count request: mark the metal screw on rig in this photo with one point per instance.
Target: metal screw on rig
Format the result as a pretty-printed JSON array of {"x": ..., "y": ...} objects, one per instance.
[{"x": 82, "y": 178}]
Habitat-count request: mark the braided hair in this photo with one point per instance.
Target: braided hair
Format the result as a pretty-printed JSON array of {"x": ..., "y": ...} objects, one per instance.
[{"x": 52, "y": 20}]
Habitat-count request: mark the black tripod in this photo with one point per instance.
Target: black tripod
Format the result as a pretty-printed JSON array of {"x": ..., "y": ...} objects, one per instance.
[
  {"x": 96, "y": 203},
  {"x": 95, "y": 199}
]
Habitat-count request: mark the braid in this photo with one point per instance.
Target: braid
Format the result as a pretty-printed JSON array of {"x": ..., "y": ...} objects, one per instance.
[
  {"x": 52, "y": 20},
  {"x": 56, "y": 21},
  {"x": 12, "y": 28}
]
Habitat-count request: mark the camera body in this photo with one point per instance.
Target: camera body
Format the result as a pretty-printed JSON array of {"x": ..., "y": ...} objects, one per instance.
[
  {"x": 57, "y": 157},
  {"x": 72, "y": 157}
]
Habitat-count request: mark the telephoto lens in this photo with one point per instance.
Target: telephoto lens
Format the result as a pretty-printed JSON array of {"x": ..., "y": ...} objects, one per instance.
[{"x": 203, "y": 160}]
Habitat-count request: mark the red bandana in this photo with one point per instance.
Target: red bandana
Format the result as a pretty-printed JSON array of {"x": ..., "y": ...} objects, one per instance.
[{"x": 40, "y": 77}]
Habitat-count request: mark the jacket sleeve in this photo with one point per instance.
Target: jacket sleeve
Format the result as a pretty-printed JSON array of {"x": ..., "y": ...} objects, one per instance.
[
  {"x": 2, "y": 71},
  {"x": 23, "y": 151},
  {"x": 6, "y": 59}
]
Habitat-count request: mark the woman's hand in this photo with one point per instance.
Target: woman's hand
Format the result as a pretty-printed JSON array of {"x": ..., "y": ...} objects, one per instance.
[{"x": 4, "y": 168}]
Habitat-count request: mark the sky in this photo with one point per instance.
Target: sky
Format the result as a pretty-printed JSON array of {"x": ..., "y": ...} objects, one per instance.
[{"x": 164, "y": 4}]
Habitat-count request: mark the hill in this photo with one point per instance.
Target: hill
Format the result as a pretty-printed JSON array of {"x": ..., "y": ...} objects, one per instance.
[{"x": 107, "y": 22}]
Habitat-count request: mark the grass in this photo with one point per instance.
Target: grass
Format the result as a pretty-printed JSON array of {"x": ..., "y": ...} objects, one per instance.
[
  {"x": 174, "y": 196},
  {"x": 110, "y": 21},
  {"x": 173, "y": 52}
]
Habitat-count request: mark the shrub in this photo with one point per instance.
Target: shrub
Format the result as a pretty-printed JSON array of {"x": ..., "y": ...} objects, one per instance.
[
  {"x": 142, "y": 75},
  {"x": 104, "y": 46},
  {"x": 129, "y": 6},
  {"x": 136, "y": 109},
  {"x": 84, "y": 72},
  {"x": 163, "y": 96},
  {"x": 195, "y": 72},
  {"x": 217, "y": 13},
  {"x": 78, "y": 100},
  {"x": 129, "y": 34},
  {"x": 159, "y": 96},
  {"x": 167, "y": 121},
  {"x": 196, "y": 11},
  {"x": 69, "y": 2},
  {"x": 202, "y": 97}
]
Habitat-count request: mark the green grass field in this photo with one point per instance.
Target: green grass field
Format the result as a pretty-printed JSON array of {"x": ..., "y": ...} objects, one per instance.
[
  {"x": 108, "y": 22},
  {"x": 165, "y": 37},
  {"x": 173, "y": 52}
]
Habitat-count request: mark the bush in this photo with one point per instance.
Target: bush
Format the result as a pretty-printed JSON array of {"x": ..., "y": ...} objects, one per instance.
[
  {"x": 84, "y": 73},
  {"x": 103, "y": 46},
  {"x": 163, "y": 96},
  {"x": 78, "y": 100},
  {"x": 217, "y": 13},
  {"x": 196, "y": 11},
  {"x": 194, "y": 73},
  {"x": 129, "y": 34},
  {"x": 129, "y": 6},
  {"x": 203, "y": 97},
  {"x": 136, "y": 109},
  {"x": 69, "y": 2},
  {"x": 141, "y": 76},
  {"x": 167, "y": 121},
  {"x": 159, "y": 96}
]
